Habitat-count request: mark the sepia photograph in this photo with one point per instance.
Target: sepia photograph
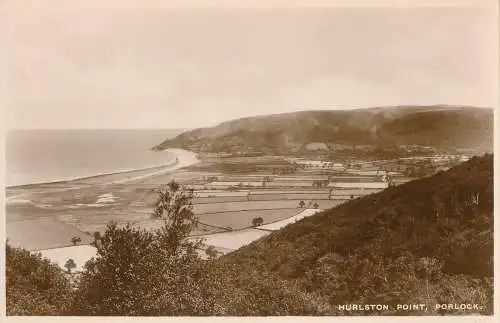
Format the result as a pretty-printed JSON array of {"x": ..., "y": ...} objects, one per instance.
[{"x": 237, "y": 159}]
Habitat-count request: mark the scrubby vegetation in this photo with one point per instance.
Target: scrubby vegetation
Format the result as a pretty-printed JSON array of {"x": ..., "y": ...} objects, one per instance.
[
  {"x": 427, "y": 241},
  {"x": 34, "y": 286}
]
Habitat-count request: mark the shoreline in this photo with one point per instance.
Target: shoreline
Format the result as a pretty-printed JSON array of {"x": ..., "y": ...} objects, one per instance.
[{"x": 181, "y": 158}]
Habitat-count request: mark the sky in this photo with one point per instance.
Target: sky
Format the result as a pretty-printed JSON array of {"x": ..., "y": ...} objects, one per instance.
[{"x": 104, "y": 64}]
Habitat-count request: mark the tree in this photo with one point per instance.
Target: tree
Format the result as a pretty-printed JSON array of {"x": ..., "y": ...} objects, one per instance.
[
  {"x": 151, "y": 273},
  {"x": 175, "y": 207},
  {"x": 390, "y": 182},
  {"x": 302, "y": 204},
  {"x": 257, "y": 221},
  {"x": 211, "y": 252},
  {"x": 97, "y": 239},
  {"x": 75, "y": 240},
  {"x": 33, "y": 285},
  {"x": 70, "y": 264}
]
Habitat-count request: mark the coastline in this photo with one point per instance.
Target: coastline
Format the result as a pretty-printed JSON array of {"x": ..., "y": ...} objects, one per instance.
[
  {"x": 184, "y": 158},
  {"x": 181, "y": 158}
]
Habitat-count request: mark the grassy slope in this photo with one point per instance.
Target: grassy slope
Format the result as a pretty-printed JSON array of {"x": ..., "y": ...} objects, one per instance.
[{"x": 386, "y": 246}]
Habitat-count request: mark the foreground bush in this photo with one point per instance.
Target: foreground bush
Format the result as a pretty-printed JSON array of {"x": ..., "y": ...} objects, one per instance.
[{"x": 34, "y": 286}]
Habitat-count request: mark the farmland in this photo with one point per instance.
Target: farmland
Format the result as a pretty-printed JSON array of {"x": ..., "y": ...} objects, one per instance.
[
  {"x": 238, "y": 220},
  {"x": 229, "y": 193}
]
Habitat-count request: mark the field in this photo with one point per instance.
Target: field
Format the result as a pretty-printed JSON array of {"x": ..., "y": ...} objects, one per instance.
[
  {"x": 372, "y": 185},
  {"x": 228, "y": 184},
  {"x": 221, "y": 193},
  {"x": 229, "y": 241},
  {"x": 293, "y": 184},
  {"x": 220, "y": 199},
  {"x": 80, "y": 254},
  {"x": 300, "y": 178},
  {"x": 355, "y": 192},
  {"x": 280, "y": 224},
  {"x": 292, "y": 196},
  {"x": 245, "y": 205},
  {"x": 241, "y": 178},
  {"x": 237, "y": 220},
  {"x": 239, "y": 191},
  {"x": 309, "y": 190},
  {"x": 43, "y": 234}
]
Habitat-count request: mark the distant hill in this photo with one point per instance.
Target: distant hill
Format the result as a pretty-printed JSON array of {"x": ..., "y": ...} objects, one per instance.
[
  {"x": 427, "y": 241},
  {"x": 437, "y": 126}
]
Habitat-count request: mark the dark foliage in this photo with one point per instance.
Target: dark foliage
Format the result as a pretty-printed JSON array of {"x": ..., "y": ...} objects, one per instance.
[
  {"x": 34, "y": 286},
  {"x": 426, "y": 241}
]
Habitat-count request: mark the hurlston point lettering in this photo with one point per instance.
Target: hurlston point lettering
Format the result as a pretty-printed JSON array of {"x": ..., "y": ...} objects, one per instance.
[{"x": 363, "y": 307}]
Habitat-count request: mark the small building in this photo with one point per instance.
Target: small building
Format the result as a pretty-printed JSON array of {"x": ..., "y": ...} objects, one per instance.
[
  {"x": 316, "y": 146},
  {"x": 464, "y": 158}
]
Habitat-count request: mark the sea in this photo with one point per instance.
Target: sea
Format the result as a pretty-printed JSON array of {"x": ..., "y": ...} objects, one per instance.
[{"x": 41, "y": 156}]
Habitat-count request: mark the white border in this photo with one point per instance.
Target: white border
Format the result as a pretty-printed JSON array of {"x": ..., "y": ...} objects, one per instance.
[{"x": 493, "y": 4}]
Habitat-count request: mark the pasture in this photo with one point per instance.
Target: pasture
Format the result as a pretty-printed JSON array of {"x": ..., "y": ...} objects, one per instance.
[
  {"x": 228, "y": 184},
  {"x": 242, "y": 178},
  {"x": 154, "y": 224},
  {"x": 309, "y": 190},
  {"x": 221, "y": 193},
  {"x": 219, "y": 199},
  {"x": 300, "y": 178},
  {"x": 294, "y": 184},
  {"x": 229, "y": 241},
  {"x": 245, "y": 205},
  {"x": 237, "y": 220},
  {"x": 80, "y": 255},
  {"x": 355, "y": 192},
  {"x": 44, "y": 233},
  {"x": 371, "y": 172},
  {"x": 369, "y": 185},
  {"x": 283, "y": 223},
  {"x": 291, "y": 196},
  {"x": 229, "y": 203}
]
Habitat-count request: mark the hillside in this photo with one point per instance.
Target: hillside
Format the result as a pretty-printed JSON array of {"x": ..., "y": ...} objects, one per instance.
[
  {"x": 437, "y": 126},
  {"x": 427, "y": 241}
]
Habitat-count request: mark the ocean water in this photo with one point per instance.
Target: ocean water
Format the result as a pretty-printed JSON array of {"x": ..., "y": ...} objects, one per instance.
[{"x": 39, "y": 156}]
